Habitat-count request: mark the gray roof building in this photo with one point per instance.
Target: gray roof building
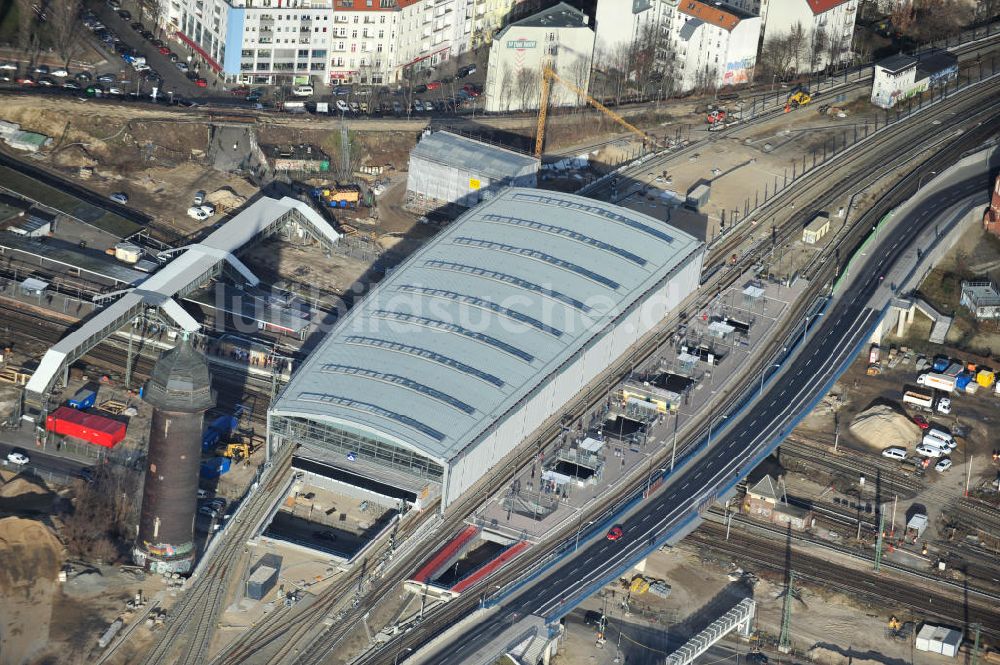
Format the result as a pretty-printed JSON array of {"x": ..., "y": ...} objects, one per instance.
[
  {"x": 447, "y": 168},
  {"x": 462, "y": 351}
]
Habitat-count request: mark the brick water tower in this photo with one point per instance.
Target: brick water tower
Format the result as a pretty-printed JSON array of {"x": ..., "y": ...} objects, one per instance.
[{"x": 180, "y": 391}]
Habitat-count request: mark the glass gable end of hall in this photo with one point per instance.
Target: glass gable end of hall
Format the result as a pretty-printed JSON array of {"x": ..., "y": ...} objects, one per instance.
[{"x": 342, "y": 441}]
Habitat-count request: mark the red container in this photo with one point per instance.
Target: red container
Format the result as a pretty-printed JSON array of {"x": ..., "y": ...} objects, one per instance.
[{"x": 90, "y": 427}]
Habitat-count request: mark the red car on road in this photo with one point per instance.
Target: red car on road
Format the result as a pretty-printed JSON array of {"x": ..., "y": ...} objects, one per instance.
[
  {"x": 615, "y": 533},
  {"x": 240, "y": 92},
  {"x": 434, "y": 85},
  {"x": 201, "y": 83},
  {"x": 921, "y": 421},
  {"x": 165, "y": 50}
]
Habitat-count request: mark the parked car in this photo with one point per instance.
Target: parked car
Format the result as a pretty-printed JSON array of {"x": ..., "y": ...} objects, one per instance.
[
  {"x": 72, "y": 85},
  {"x": 59, "y": 73},
  {"x": 434, "y": 85},
  {"x": 419, "y": 89},
  {"x": 18, "y": 457},
  {"x": 115, "y": 91},
  {"x": 83, "y": 76},
  {"x": 921, "y": 422},
  {"x": 138, "y": 27},
  {"x": 173, "y": 57},
  {"x": 41, "y": 69},
  {"x": 929, "y": 451},
  {"x": 8, "y": 66},
  {"x": 943, "y": 465},
  {"x": 199, "y": 197},
  {"x": 342, "y": 90},
  {"x": 24, "y": 80},
  {"x": 895, "y": 452},
  {"x": 201, "y": 83},
  {"x": 342, "y": 106},
  {"x": 325, "y": 535},
  {"x": 182, "y": 66},
  {"x": 355, "y": 108},
  {"x": 397, "y": 108},
  {"x": 418, "y": 105},
  {"x": 164, "y": 50},
  {"x": 118, "y": 197},
  {"x": 944, "y": 406},
  {"x": 467, "y": 70},
  {"x": 208, "y": 511},
  {"x": 46, "y": 81},
  {"x": 615, "y": 533},
  {"x": 124, "y": 14},
  {"x": 158, "y": 43},
  {"x": 106, "y": 78},
  {"x": 198, "y": 212},
  {"x": 147, "y": 35}
]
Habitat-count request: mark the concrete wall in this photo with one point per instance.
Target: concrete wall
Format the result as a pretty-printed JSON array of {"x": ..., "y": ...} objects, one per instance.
[{"x": 449, "y": 184}]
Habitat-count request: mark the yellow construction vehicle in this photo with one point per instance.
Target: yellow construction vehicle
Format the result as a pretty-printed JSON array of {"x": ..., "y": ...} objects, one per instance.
[
  {"x": 894, "y": 623},
  {"x": 236, "y": 450},
  {"x": 797, "y": 97},
  {"x": 549, "y": 75}
]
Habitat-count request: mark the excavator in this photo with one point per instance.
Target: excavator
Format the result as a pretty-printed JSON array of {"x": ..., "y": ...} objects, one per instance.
[
  {"x": 548, "y": 76},
  {"x": 237, "y": 450},
  {"x": 799, "y": 96}
]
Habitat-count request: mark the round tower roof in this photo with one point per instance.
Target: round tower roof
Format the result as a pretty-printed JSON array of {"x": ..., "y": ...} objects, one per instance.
[{"x": 180, "y": 380}]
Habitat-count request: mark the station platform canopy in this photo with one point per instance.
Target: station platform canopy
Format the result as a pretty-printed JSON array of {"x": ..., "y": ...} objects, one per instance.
[{"x": 192, "y": 266}]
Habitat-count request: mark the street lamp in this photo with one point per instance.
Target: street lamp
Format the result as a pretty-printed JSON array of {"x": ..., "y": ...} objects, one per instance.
[
  {"x": 710, "y": 423},
  {"x": 395, "y": 660},
  {"x": 578, "y": 530},
  {"x": 920, "y": 181},
  {"x": 762, "y": 372}
]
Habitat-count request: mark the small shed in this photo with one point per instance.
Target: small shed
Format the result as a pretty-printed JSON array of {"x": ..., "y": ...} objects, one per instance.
[
  {"x": 816, "y": 229},
  {"x": 939, "y": 639},
  {"x": 33, "y": 287},
  {"x": 264, "y": 576}
]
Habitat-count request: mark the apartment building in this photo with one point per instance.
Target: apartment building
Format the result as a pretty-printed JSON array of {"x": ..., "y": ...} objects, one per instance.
[
  {"x": 827, "y": 28},
  {"x": 559, "y": 37},
  {"x": 340, "y": 41},
  {"x": 714, "y": 45}
]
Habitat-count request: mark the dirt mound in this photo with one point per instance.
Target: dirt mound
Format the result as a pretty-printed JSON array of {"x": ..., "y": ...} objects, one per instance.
[
  {"x": 29, "y": 551},
  {"x": 225, "y": 197},
  {"x": 882, "y": 426},
  {"x": 22, "y": 485}
]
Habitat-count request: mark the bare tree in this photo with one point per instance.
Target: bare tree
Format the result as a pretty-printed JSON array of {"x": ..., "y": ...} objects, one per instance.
[
  {"x": 505, "y": 86},
  {"x": 798, "y": 43},
  {"x": 102, "y": 520},
  {"x": 25, "y": 20},
  {"x": 527, "y": 88},
  {"x": 903, "y": 16},
  {"x": 64, "y": 22},
  {"x": 776, "y": 57},
  {"x": 578, "y": 74},
  {"x": 818, "y": 52}
]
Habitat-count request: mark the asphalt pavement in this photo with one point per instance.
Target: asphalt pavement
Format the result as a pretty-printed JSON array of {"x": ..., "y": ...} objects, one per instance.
[
  {"x": 828, "y": 346},
  {"x": 42, "y": 464}
]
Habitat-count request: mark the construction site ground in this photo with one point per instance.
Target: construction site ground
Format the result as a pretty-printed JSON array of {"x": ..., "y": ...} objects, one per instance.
[
  {"x": 827, "y": 626},
  {"x": 975, "y": 257}
]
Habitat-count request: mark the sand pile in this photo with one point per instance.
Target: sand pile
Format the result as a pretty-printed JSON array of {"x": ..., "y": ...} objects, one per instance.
[
  {"x": 882, "y": 426},
  {"x": 225, "y": 197},
  {"x": 29, "y": 551},
  {"x": 22, "y": 485}
]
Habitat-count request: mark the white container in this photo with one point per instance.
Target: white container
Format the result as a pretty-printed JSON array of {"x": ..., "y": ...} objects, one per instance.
[{"x": 127, "y": 252}]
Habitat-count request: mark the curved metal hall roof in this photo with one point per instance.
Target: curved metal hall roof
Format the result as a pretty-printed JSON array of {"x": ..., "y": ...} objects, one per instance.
[{"x": 482, "y": 315}]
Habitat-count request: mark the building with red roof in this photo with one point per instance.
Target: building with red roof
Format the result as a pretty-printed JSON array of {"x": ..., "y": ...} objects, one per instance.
[
  {"x": 715, "y": 44},
  {"x": 826, "y": 28}
]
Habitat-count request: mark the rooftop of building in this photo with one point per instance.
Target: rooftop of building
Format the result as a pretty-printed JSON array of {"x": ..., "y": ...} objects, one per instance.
[
  {"x": 897, "y": 63},
  {"x": 557, "y": 16},
  {"x": 936, "y": 61},
  {"x": 12, "y": 206},
  {"x": 981, "y": 293},
  {"x": 481, "y": 316},
  {"x": 718, "y": 14},
  {"x": 73, "y": 257},
  {"x": 823, "y": 6},
  {"x": 474, "y": 156}
]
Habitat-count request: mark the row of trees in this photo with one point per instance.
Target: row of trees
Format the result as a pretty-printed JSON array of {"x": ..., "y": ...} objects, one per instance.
[
  {"x": 50, "y": 24},
  {"x": 799, "y": 51}
]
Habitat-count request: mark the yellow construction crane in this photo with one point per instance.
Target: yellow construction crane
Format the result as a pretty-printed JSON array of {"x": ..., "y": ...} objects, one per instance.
[{"x": 549, "y": 75}]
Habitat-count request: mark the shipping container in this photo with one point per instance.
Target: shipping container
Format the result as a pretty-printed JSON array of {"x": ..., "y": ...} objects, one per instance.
[
  {"x": 954, "y": 369},
  {"x": 264, "y": 577},
  {"x": 924, "y": 400},
  {"x": 986, "y": 378},
  {"x": 89, "y": 427},
  {"x": 939, "y": 381},
  {"x": 962, "y": 380},
  {"x": 698, "y": 197},
  {"x": 215, "y": 467},
  {"x": 83, "y": 400}
]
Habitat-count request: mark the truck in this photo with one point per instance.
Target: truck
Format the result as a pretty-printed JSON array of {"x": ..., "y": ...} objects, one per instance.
[
  {"x": 938, "y": 381},
  {"x": 83, "y": 399},
  {"x": 921, "y": 398},
  {"x": 874, "y": 355}
]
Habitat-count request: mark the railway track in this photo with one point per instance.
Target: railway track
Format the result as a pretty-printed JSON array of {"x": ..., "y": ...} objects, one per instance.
[
  {"x": 884, "y": 589},
  {"x": 973, "y": 99},
  {"x": 887, "y": 477}
]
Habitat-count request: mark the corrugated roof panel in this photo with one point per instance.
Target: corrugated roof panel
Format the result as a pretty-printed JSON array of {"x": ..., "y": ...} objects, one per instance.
[
  {"x": 474, "y": 156},
  {"x": 481, "y": 315}
]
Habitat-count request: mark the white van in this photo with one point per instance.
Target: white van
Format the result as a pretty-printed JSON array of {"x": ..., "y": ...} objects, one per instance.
[
  {"x": 895, "y": 452},
  {"x": 935, "y": 442},
  {"x": 929, "y": 451},
  {"x": 302, "y": 91},
  {"x": 946, "y": 438}
]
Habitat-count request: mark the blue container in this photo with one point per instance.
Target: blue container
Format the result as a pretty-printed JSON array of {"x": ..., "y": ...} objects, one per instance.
[{"x": 215, "y": 467}]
